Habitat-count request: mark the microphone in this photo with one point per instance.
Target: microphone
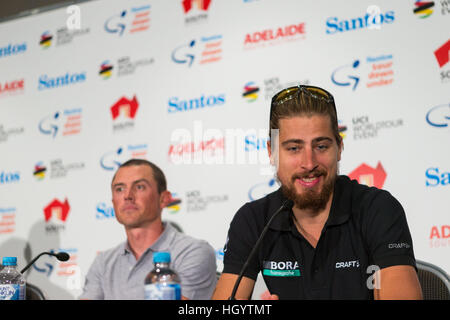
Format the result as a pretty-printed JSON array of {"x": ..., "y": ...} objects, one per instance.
[
  {"x": 287, "y": 205},
  {"x": 61, "y": 256}
]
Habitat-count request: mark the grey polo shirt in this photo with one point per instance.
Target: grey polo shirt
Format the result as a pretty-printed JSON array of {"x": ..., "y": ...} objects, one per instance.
[{"x": 116, "y": 274}]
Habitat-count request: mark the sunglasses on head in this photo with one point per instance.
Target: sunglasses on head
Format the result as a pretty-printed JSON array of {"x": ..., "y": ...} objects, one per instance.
[{"x": 294, "y": 92}]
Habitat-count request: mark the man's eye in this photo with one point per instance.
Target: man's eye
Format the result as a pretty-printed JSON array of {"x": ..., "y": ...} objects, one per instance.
[
  {"x": 293, "y": 149},
  {"x": 118, "y": 189},
  {"x": 322, "y": 147},
  {"x": 140, "y": 187}
]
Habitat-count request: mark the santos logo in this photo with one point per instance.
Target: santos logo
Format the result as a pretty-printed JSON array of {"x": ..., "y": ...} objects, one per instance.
[
  {"x": 46, "y": 82},
  {"x": 178, "y": 105},
  {"x": 372, "y": 20}
]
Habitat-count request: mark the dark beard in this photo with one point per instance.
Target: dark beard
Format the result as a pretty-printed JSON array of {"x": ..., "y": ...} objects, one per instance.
[{"x": 310, "y": 200}]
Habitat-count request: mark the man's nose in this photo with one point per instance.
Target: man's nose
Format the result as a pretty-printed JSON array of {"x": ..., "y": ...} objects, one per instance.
[
  {"x": 308, "y": 161},
  {"x": 129, "y": 194}
]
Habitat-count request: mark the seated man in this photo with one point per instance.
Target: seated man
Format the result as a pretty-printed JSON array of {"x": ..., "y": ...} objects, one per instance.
[
  {"x": 139, "y": 194},
  {"x": 337, "y": 237}
]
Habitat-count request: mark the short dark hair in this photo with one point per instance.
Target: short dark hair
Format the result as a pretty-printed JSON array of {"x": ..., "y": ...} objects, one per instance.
[{"x": 158, "y": 175}]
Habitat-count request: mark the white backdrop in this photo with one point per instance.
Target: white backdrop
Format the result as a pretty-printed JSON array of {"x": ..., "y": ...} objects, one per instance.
[{"x": 187, "y": 85}]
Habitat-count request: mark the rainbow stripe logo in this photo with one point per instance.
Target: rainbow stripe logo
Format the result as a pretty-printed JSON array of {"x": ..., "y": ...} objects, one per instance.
[
  {"x": 250, "y": 91},
  {"x": 46, "y": 40},
  {"x": 106, "y": 69},
  {"x": 423, "y": 9}
]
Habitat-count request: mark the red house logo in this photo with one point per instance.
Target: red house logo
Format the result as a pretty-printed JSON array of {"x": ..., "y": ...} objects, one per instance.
[
  {"x": 372, "y": 177},
  {"x": 125, "y": 107},
  {"x": 57, "y": 209},
  {"x": 443, "y": 54},
  {"x": 200, "y": 4}
]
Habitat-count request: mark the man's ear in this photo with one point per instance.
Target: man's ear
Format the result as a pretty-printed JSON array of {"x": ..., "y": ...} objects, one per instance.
[{"x": 164, "y": 199}]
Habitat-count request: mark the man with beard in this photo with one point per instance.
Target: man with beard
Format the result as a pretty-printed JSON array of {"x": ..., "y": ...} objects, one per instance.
[{"x": 340, "y": 240}]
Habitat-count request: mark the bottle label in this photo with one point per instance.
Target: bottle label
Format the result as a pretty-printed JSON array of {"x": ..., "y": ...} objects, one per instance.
[
  {"x": 10, "y": 292},
  {"x": 163, "y": 291}
]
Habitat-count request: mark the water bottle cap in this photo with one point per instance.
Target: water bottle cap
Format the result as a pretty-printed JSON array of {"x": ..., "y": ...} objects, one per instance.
[
  {"x": 9, "y": 261},
  {"x": 161, "y": 257}
]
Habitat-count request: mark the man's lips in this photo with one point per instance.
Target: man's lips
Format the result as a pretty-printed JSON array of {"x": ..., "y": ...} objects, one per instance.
[
  {"x": 308, "y": 182},
  {"x": 129, "y": 207}
]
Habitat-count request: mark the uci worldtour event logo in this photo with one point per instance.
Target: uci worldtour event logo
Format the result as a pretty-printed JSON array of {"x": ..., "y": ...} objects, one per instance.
[
  {"x": 200, "y": 51},
  {"x": 55, "y": 214},
  {"x": 372, "y": 177},
  {"x": 7, "y": 220},
  {"x": 195, "y": 10},
  {"x": 442, "y": 55},
  {"x": 47, "y": 82},
  {"x": 379, "y": 71},
  {"x": 129, "y": 21},
  {"x": 195, "y": 201},
  {"x": 174, "y": 203},
  {"x": 125, "y": 66},
  {"x": 12, "y": 49},
  {"x": 373, "y": 19},
  {"x": 251, "y": 92},
  {"x": 63, "y": 36},
  {"x": 439, "y": 116},
  {"x": 275, "y": 36},
  {"x": 123, "y": 113},
  {"x": 57, "y": 169},
  {"x": 112, "y": 160},
  {"x": 61, "y": 123},
  {"x": 364, "y": 128}
]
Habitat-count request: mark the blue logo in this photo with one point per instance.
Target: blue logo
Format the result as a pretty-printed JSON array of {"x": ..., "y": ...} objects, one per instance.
[
  {"x": 12, "y": 49},
  {"x": 208, "y": 49},
  {"x": 9, "y": 177},
  {"x": 439, "y": 116},
  {"x": 112, "y": 160},
  {"x": 46, "y": 82},
  {"x": 104, "y": 211},
  {"x": 69, "y": 120},
  {"x": 135, "y": 19},
  {"x": 346, "y": 75},
  {"x": 255, "y": 143},
  {"x": 262, "y": 189},
  {"x": 436, "y": 178},
  {"x": 372, "y": 20},
  {"x": 178, "y": 105}
]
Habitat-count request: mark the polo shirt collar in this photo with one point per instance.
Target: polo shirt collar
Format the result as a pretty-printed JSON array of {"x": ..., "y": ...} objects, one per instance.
[
  {"x": 339, "y": 212},
  {"x": 161, "y": 244}
]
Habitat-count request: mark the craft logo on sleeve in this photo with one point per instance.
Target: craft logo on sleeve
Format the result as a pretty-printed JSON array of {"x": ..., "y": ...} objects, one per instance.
[
  {"x": 129, "y": 21},
  {"x": 55, "y": 214},
  {"x": 7, "y": 220},
  {"x": 372, "y": 177},
  {"x": 201, "y": 51},
  {"x": 123, "y": 113},
  {"x": 61, "y": 123}
]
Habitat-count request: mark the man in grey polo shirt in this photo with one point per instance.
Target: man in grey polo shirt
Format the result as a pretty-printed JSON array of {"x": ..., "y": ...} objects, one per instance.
[{"x": 139, "y": 194}]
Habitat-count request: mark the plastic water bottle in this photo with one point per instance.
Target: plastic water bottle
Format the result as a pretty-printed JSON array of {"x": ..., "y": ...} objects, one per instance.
[
  {"x": 162, "y": 283},
  {"x": 12, "y": 282}
]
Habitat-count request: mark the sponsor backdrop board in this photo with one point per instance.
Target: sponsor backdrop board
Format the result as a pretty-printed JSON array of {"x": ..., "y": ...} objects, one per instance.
[{"x": 187, "y": 85}]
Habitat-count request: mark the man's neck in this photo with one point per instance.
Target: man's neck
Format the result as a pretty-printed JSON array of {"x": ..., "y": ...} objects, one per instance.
[
  {"x": 310, "y": 223},
  {"x": 140, "y": 239}
]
